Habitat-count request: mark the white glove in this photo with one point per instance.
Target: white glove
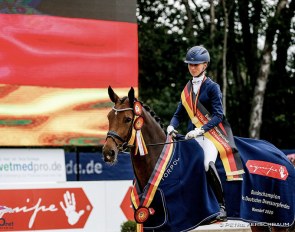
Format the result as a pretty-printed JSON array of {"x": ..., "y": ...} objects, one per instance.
[
  {"x": 171, "y": 131},
  {"x": 194, "y": 133}
]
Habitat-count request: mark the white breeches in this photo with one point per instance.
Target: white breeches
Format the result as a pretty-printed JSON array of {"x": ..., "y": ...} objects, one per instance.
[{"x": 210, "y": 151}]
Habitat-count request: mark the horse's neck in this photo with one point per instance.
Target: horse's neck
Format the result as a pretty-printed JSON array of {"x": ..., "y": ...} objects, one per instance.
[{"x": 144, "y": 165}]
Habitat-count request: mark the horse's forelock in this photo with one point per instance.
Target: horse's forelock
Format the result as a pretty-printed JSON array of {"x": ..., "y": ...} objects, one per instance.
[{"x": 123, "y": 99}]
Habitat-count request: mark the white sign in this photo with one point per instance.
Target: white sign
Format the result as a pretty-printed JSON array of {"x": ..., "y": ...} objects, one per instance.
[
  {"x": 32, "y": 165},
  {"x": 80, "y": 206}
]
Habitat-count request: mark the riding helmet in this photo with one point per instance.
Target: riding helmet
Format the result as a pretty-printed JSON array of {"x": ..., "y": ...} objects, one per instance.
[{"x": 197, "y": 55}]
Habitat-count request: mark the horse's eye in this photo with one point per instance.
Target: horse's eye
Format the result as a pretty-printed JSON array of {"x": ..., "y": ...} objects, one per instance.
[{"x": 127, "y": 120}]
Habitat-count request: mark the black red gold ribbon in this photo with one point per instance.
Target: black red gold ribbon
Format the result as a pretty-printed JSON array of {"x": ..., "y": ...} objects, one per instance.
[{"x": 142, "y": 202}]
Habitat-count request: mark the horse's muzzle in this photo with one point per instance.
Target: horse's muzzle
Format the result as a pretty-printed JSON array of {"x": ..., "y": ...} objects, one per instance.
[{"x": 109, "y": 154}]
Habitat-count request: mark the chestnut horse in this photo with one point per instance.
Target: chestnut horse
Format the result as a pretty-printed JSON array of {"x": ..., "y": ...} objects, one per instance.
[{"x": 121, "y": 122}]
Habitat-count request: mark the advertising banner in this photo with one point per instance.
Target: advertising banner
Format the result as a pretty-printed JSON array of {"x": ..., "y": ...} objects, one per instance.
[
  {"x": 64, "y": 207},
  {"x": 32, "y": 165},
  {"x": 58, "y": 58},
  {"x": 88, "y": 166}
]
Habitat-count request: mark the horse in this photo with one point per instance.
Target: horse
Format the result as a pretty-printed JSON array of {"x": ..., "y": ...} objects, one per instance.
[{"x": 133, "y": 126}]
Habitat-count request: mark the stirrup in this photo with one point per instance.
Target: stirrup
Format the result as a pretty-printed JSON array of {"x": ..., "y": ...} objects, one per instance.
[{"x": 222, "y": 217}]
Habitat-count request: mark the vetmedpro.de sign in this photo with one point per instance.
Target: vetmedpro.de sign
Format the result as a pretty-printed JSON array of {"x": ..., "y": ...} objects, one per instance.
[{"x": 32, "y": 165}]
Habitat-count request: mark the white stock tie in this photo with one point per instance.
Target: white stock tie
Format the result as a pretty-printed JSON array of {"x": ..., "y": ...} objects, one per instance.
[{"x": 196, "y": 84}]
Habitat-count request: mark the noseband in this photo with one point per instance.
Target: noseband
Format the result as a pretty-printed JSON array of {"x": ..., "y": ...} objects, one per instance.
[{"x": 114, "y": 135}]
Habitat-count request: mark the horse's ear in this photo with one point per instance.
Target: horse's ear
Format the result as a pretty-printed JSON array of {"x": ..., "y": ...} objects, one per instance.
[
  {"x": 131, "y": 96},
  {"x": 113, "y": 96}
]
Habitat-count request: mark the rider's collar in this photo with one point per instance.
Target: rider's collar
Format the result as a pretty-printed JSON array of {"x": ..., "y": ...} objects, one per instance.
[{"x": 196, "y": 80}]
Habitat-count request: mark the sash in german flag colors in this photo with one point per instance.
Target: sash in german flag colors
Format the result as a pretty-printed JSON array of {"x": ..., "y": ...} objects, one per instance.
[
  {"x": 220, "y": 135},
  {"x": 142, "y": 201}
]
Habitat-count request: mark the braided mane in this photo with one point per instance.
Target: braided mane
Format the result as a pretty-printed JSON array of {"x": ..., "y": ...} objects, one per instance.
[
  {"x": 149, "y": 110},
  {"x": 153, "y": 114}
]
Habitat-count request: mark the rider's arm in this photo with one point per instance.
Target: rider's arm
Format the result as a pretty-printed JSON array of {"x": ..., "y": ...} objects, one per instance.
[
  {"x": 178, "y": 115},
  {"x": 215, "y": 96}
]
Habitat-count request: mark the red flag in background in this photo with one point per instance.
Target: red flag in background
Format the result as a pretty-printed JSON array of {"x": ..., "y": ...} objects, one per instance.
[{"x": 57, "y": 58}]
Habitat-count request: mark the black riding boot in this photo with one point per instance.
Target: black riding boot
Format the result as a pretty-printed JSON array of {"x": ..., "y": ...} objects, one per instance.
[{"x": 216, "y": 185}]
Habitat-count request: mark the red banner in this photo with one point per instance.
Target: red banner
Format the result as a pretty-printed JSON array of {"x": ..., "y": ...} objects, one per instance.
[
  {"x": 54, "y": 74},
  {"x": 42, "y": 209},
  {"x": 67, "y": 52}
]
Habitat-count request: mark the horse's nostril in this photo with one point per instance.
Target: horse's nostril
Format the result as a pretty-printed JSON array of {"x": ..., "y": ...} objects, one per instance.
[{"x": 109, "y": 155}]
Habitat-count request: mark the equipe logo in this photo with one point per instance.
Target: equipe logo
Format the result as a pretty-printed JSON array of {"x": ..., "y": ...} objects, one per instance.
[
  {"x": 264, "y": 168},
  {"x": 42, "y": 209}
]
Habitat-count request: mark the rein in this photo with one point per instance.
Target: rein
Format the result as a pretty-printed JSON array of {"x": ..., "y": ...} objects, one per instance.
[
  {"x": 125, "y": 144},
  {"x": 176, "y": 141}
]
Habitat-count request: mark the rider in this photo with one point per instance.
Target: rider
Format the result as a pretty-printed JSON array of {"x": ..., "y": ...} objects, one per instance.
[{"x": 202, "y": 90}]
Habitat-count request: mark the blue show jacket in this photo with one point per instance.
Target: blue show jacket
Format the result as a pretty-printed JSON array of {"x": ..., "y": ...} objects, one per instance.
[{"x": 211, "y": 98}]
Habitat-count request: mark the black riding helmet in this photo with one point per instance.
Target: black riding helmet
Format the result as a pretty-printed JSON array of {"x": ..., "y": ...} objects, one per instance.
[{"x": 197, "y": 55}]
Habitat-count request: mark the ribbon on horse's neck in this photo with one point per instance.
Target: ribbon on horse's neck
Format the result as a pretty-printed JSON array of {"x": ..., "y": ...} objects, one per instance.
[
  {"x": 136, "y": 139},
  {"x": 136, "y": 135}
]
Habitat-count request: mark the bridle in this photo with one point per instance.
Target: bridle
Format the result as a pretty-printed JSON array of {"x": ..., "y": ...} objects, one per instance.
[
  {"x": 114, "y": 135},
  {"x": 125, "y": 143}
]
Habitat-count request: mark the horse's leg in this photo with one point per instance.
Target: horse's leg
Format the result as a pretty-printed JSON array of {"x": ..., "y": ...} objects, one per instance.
[{"x": 260, "y": 229}]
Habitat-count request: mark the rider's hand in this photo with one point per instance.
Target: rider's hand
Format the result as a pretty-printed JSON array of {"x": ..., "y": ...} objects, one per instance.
[
  {"x": 171, "y": 131},
  {"x": 194, "y": 133}
]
